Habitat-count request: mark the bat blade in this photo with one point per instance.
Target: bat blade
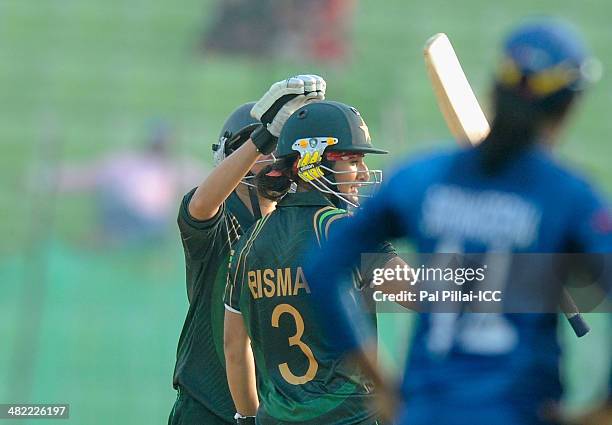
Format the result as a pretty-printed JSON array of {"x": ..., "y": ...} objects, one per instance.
[{"x": 461, "y": 110}]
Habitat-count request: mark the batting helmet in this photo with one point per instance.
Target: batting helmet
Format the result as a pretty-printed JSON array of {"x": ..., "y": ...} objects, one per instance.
[
  {"x": 235, "y": 131},
  {"x": 546, "y": 57},
  {"x": 320, "y": 133},
  {"x": 327, "y": 119}
]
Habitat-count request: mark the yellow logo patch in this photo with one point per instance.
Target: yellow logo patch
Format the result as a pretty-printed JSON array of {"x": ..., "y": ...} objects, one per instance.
[{"x": 311, "y": 154}]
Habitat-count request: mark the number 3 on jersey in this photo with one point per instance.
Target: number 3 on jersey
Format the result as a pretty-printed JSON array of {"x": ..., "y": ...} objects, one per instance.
[{"x": 295, "y": 340}]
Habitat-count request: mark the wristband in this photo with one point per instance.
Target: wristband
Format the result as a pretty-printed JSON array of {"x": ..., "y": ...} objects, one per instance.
[
  {"x": 263, "y": 140},
  {"x": 244, "y": 420}
]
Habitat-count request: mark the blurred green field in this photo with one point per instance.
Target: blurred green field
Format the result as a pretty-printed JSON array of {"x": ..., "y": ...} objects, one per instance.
[{"x": 93, "y": 72}]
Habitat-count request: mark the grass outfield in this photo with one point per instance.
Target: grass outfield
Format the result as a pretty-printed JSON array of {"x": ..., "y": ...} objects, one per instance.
[{"x": 94, "y": 72}]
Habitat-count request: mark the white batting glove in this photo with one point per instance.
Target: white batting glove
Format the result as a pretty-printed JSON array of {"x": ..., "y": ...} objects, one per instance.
[{"x": 284, "y": 98}]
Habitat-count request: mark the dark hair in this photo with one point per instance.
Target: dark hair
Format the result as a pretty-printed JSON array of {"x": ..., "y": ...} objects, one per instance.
[
  {"x": 518, "y": 122},
  {"x": 274, "y": 187}
]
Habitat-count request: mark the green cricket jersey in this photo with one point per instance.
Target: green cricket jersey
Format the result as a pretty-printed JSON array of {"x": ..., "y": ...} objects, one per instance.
[
  {"x": 299, "y": 379},
  {"x": 200, "y": 362}
]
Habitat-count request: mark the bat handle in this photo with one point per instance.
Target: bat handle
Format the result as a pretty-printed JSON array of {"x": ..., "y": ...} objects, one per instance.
[
  {"x": 575, "y": 319},
  {"x": 578, "y": 324}
]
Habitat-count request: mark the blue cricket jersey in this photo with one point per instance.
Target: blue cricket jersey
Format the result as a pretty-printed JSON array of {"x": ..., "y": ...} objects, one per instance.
[{"x": 471, "y": 369}]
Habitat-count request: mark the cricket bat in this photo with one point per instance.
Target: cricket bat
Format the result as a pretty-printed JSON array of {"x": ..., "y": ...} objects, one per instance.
[
  {"x": 468, "y": 124},
  {"x": 461, "y": 110}
]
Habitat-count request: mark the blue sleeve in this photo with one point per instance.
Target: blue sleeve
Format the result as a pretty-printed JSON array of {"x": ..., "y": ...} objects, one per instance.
[
  {"x": 328, "y": 269},
  {"x": 591, "y": 227},
  {"x": 591, "y": 230}
]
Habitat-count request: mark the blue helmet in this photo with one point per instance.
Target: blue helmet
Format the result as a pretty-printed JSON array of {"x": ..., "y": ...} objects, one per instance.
[{"x": 544, "y": 57}]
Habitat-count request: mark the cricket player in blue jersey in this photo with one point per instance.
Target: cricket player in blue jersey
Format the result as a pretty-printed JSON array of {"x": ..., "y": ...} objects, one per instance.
[{"x": 507, "y": 195}]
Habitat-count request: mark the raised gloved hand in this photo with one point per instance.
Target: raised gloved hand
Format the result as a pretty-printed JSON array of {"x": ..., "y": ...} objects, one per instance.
[{"x": 280, "y": 101}]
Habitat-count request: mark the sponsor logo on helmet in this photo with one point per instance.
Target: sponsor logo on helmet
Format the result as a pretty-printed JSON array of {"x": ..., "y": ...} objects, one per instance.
[{"x": 311, "y": 154}]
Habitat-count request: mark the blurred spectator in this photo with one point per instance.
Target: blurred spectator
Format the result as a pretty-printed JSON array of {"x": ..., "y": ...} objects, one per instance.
[
  {"x": 136, "y": 192},
  {"x": 242, "y": 27},
  {"x": 291, "y": 29},
  {"x": 328, "y": 36}
]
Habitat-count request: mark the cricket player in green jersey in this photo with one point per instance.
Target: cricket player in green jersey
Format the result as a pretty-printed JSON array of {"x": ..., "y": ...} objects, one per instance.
[
  {"x": 211, "y": 219},
  {"x": 300, "y": 380}
]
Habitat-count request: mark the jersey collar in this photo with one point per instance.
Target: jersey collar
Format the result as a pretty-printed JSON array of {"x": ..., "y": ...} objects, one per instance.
[
  {"x": 304, "y": 199},
  {"x": 240, "y": 211}
]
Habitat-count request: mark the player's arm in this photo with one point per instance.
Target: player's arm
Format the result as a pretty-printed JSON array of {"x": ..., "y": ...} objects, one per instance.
[
  {"x": 397, "y": 284},
  {"x": 383, "y": 257},
  {"x": 599, "y": 415},
  {"x": 385, "y": 271},
  {"x": 273, "y": 109},
  {"x": 590, "y": 233},
  {"x": 378, "y": 221},
  {"x": 372, "y": 265},
  {"x": 387, "y": 396},
  {"x": 240, "y": 365},
  {"x": 222, "y": 180},
  {"x": 239, "y": 361},
  {"x": 327, "y": 267}
]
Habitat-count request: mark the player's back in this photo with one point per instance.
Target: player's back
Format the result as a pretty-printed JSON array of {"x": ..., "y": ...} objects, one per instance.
[
  {"x": 207, "y": 248},
  {"x": 301, "y": 380},
  {"x": 528, "y": 206},
  {"x": 449, "y": 204}
]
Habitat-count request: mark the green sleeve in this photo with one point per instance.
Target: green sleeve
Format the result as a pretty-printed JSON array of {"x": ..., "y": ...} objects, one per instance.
[{"x": 200, "y": 237}]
